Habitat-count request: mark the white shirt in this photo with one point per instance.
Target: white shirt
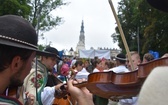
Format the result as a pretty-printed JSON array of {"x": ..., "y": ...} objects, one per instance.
[
  {"x": 47, "y": 95},
  {"x": 95, "y": 70},
  {"x": 132, "y": 101},
  {"x": 82, "y": 74},
  {"x": 119, "y": 69}
]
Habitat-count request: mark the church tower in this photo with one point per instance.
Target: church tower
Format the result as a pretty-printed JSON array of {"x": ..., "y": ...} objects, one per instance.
[{"x": 81, "y": 43}]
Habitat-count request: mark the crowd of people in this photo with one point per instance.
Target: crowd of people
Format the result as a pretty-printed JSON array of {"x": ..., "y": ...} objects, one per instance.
[
  {"x": 41, "y": 85},
  {"x": 78, "y": 69}
]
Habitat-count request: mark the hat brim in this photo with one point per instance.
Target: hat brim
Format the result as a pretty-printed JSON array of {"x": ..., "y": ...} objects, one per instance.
[
  {"x": 16, "y": 44},
  {"x": 48, "y": 54},
  {"x": 122, "y": 59},
  {"x": 119, "y": 58},
  {"x": 159, "y": 4},
  {"x": 26, "y": 46}
]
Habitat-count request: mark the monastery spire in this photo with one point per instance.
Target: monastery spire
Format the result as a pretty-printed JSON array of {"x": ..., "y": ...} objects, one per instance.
[
  {"x": 81, "y": 43},
  {"x": 82, "y": 27}
]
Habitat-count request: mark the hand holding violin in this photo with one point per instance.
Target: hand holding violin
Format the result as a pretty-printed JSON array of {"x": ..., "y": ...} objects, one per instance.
[
  {"x": 81, "y": 95},
  {"x": 61, "y": 90}
]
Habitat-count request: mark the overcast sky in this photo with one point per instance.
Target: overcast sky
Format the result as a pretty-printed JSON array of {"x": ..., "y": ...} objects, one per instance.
[{"x": 99, "y": 24}]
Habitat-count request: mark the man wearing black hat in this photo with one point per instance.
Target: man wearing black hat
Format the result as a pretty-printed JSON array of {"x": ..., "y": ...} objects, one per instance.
[
  {"x": 120, "y": 63},
  {"x": 45, "y": 77},
  {"x": 120, "y": 68},
  {"x": 18, "y": 47},
  {"x": 50, "y": 61},
  {"x": 52, "y": 82}
]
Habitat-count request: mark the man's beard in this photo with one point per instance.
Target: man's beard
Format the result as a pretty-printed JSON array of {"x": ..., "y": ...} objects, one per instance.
[{"x": 14, "y": 80}]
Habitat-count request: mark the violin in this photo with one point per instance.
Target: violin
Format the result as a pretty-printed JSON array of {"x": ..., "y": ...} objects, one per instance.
[
  {"x": 116, "y": 86},
  {"x": 122, "y": 85},
  {"x": 113, "y": 85}
]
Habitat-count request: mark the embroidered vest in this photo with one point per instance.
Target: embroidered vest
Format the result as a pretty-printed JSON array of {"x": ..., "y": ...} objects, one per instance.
[{"x": 30, "y": 83}]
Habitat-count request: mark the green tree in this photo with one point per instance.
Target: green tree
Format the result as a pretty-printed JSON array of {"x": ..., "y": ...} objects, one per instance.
[
  {"x": 139, "y": 17},
  {"x": 15, "y": 7},
  {"x": 128, "y": 16},
  {"x": 41, "y": 17},
  {"x": 155, "y": 32},
  {"x": 38, "y": 12}
]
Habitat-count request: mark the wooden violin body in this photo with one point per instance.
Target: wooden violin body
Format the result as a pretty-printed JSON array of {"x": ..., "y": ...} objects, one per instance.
[
  {"x": 62, "y": 101},
  {"x": 122, "y": 85},
  {"x": 114, "y": 85}
]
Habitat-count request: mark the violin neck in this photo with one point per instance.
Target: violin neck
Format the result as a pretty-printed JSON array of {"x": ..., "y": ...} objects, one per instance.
[{"x": 80, "y": 85}]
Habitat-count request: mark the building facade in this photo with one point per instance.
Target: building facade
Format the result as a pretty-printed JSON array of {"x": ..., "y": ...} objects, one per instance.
[{"x": 81, "y": 45}]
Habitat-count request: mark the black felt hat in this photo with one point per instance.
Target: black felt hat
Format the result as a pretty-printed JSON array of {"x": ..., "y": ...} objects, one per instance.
[
  {"x": 17, "y": 32},
  {"x": 52, "y": 52},
  {"x": 121, "y": 56},
  {"x": 159, "y": 4}
]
